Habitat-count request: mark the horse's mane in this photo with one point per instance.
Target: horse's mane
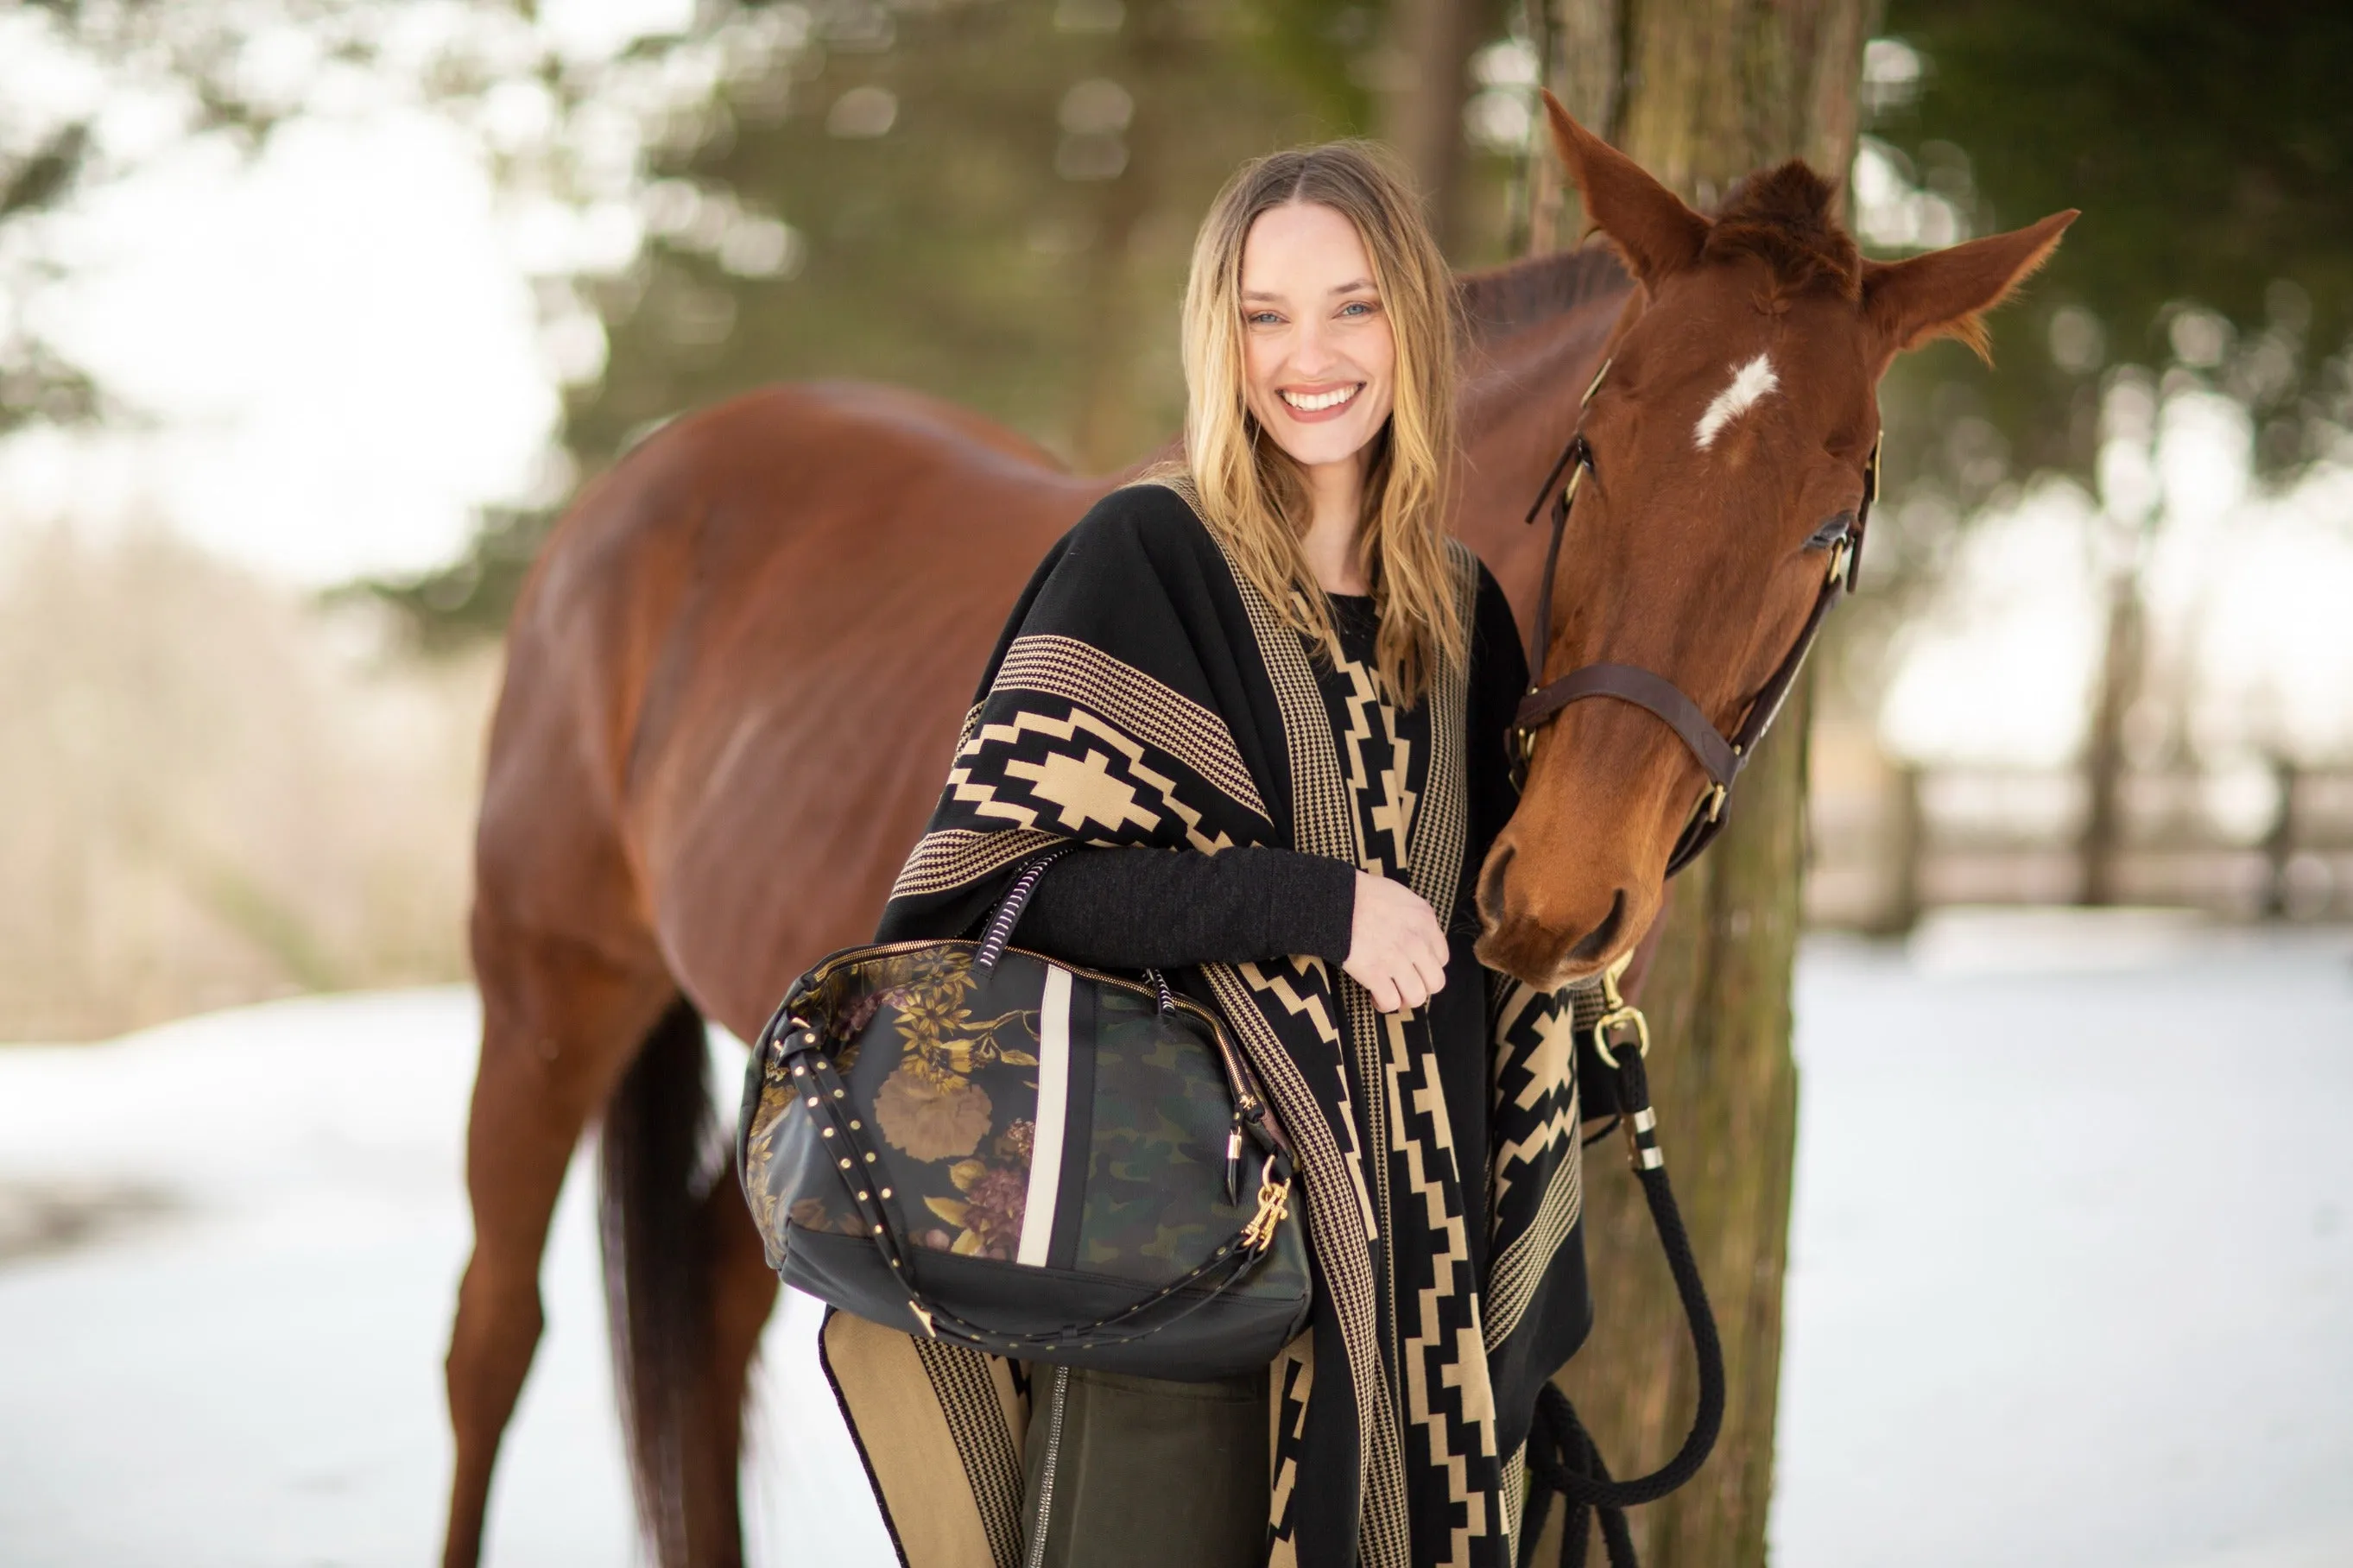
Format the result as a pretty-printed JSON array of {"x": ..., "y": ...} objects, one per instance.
[
  {"x": 1782, "y": 217},
  {"x": 1502, "y": 299}
]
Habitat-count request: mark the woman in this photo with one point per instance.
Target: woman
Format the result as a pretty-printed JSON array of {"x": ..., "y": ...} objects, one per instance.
[{"x": 1269, "y": 697}]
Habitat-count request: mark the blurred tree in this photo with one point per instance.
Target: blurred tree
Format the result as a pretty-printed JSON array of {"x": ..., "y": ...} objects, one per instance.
[
  {"x": 86, "y": 86},
  {"x": 1701, "y": 92},
  {"x": 993, "y": 202},
  {"x": 48, "y": 156},
  {"x": 1425, "y": 82},
  {"x": 2210, "y": 145},
  {"x": 97, "y": 92}
]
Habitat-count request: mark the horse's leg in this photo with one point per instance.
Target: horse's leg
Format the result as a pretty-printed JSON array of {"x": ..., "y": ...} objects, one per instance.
[
  {"x": 742, "y": 1292},
  {"x": 560, "y": 1022}
]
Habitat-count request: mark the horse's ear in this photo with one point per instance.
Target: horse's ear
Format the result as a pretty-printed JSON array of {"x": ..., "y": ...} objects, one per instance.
[
  {"x": 1648, "y": 222},
  {"x": 1945, "y": 293}
]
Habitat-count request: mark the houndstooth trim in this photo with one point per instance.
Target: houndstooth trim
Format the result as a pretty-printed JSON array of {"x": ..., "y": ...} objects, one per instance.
[
  {"x": 992, "y": 1465},
  {"x": 954, "y": 855},
  {"x": 1145, "y": 708},
  {"x": 1346, "y": 1269}
]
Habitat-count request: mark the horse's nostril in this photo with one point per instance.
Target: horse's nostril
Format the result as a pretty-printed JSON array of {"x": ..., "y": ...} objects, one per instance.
[
  {"x": 1490, "y": 884},
  {"x": 1601, "y": 938}
]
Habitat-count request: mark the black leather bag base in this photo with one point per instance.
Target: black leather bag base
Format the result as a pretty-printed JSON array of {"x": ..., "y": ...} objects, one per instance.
[
  {"x": 1023, "y": 1157},
  {"x": 1239, "y": 1334}
]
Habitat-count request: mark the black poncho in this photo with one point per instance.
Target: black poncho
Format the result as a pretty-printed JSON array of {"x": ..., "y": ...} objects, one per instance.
[{"x": 1143, "y": 694}]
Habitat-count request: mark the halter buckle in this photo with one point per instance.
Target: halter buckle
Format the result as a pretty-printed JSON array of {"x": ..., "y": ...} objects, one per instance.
[
  {"x": 1521, "y": 743},
  {"x": 1714, "y": 803}
]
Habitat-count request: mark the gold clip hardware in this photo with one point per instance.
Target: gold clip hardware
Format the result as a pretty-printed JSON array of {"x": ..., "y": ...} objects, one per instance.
[
  {"x": 923, "y": 1317},
  {"x": 1617, "y": 1013},
  {"x": 1274, "y": 1207}
]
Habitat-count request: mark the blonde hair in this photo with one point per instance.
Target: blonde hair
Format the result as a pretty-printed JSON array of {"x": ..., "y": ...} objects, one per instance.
[{"x": 1250, "y": 492}]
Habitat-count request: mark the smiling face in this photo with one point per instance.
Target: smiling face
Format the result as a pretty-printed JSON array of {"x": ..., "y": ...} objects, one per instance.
[{"x": 1318, "y": 355}]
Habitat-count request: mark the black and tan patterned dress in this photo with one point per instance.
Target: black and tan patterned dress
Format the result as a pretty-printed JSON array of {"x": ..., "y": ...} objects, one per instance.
[
  {"x": 1144, "y": 700},
  {"x": 1385, "y": 755}
]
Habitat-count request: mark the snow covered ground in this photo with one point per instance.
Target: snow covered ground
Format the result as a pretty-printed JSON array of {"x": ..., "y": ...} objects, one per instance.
[
  {"x": 2072, "y": 1261},
  {"x": 2072, "y": 1279}
]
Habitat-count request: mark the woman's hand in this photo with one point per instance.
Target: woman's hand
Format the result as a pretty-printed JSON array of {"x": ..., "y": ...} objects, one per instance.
[{"x": 1396, "y": 949}]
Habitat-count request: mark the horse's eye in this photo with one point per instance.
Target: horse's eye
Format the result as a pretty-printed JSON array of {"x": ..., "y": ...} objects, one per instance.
[{"x": 1831, "y": 532}]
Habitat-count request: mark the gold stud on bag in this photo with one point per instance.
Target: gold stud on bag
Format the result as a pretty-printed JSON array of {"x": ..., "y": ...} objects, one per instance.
[{"x": 988, "y": 1147}]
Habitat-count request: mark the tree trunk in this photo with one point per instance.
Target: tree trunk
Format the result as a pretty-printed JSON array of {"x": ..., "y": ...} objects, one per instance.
[
  {"x": 1906, "y": 851},
  {"x": 2280, "y": 841},
  {"x": 2100, "y": 849},
  {"x": 1706, "y": 90},
  {"x": 1106, "y": 430},
  {"x": 1426, "y": 83},
  {"x": 1583, "y": 64}
]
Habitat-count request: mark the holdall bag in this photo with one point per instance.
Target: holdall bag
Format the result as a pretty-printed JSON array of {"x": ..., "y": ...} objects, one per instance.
[{"x": 968, "y": 1141}]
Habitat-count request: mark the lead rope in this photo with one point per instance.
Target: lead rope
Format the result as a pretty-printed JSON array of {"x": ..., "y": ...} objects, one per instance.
[{"x": 1562, "y": 1456}]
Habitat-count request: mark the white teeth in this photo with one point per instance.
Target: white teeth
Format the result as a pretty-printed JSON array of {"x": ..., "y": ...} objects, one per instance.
[{"x": 1319, "y": 401}]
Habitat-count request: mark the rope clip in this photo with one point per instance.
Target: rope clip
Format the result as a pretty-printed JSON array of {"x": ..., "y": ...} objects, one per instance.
[{"x": 1619, "y": 1014}]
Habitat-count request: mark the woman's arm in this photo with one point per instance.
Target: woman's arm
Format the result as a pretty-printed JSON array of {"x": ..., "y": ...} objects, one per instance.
[{"x": 1134, "y": 907}]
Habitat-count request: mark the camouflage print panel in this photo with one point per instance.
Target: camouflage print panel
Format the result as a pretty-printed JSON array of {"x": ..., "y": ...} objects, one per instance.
[{"x": 1156, "y": 1162}]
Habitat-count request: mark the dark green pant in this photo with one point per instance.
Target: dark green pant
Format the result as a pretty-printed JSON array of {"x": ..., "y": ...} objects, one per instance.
[{"x": 1140, "y": 1473}]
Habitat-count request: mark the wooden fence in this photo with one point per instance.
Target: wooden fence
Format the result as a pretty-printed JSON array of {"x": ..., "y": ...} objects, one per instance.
[{"x": 2263, "y": 842}]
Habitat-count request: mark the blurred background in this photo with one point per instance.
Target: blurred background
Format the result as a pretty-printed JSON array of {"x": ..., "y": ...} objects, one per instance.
[{"x": 314, "y": 314}]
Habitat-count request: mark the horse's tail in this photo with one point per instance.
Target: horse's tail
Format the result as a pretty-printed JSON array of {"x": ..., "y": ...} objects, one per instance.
[{"x": 658, "y": 1286}]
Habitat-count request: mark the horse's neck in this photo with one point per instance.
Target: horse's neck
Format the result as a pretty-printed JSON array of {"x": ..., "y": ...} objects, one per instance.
[{"x": 1521, "y": 398}]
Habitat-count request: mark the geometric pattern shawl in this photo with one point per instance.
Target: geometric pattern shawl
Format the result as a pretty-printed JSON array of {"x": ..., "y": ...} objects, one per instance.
[{"x": 1144, "y": 693}]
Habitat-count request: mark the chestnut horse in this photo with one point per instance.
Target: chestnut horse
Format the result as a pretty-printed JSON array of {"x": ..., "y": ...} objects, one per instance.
[{"x": 737, "y": 672}]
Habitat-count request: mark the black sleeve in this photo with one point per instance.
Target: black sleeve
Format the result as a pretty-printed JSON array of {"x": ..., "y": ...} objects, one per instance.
[
  {"x": 1134, "y": 907},
  {"x": 1499, "y": 678}
]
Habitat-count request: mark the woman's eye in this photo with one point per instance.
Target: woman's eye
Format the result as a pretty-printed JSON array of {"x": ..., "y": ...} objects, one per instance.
[
  {"x": 1262, "y": 318},
  {"x": 1357, "y": 308}
]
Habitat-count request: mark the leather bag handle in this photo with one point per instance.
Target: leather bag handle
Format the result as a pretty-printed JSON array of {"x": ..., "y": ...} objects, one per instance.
[{"x": 999, "y": 930}]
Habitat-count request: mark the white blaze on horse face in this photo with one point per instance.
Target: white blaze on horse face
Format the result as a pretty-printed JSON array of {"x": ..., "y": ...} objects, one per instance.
[{"x": 1749, "y": 384}]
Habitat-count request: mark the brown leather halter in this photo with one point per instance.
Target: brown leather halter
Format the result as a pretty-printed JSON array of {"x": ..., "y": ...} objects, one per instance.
[{"x": 1720, "y": 757}]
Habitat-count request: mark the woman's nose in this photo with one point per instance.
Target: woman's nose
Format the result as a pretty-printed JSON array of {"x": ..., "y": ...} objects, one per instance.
[{"x": 1312, "y": 353}]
